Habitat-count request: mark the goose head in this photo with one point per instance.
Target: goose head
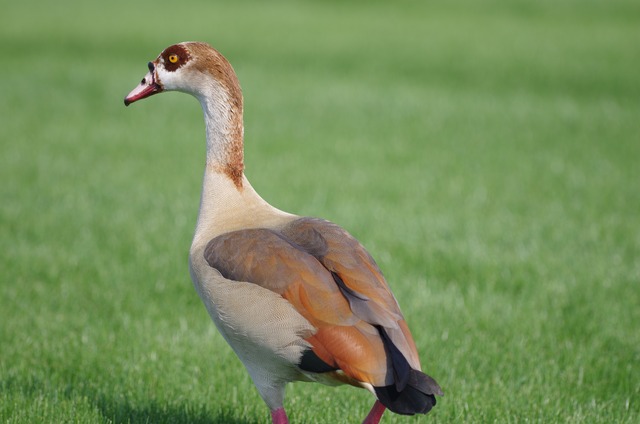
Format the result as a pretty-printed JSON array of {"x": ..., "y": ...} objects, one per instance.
[{"x": 191, "y": 67}]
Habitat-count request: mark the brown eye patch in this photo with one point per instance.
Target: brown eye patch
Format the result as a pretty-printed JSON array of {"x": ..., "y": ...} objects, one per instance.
[{"x": 175, "y": 57}]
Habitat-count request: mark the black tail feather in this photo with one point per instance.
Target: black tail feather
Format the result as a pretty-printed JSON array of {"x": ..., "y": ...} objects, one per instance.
[
  {"x": 413, "y": 391},
  {"x": 416, "y": 398}
]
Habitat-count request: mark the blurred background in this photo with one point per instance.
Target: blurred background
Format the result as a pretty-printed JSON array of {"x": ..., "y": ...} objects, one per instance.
[{"x": 485, "y": 152}]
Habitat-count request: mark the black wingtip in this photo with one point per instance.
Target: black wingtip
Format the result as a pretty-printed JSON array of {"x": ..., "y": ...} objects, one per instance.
[{"x": 401, "y": 368}]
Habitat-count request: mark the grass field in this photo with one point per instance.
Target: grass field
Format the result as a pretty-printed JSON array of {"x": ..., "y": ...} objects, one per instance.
[{"x": 486, "y": 153}]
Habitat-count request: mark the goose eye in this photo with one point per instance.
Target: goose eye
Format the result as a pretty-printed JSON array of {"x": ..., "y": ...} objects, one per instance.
[{"x": 173, "y": 58}]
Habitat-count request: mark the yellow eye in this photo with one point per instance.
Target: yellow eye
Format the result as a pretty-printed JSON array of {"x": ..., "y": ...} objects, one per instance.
[{"x": 173, "y": 58}]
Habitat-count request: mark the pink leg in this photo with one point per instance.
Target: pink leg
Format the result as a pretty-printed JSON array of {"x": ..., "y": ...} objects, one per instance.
[
  {"x": 375, "y": 414},
  {"x": 278, "y": 416}
]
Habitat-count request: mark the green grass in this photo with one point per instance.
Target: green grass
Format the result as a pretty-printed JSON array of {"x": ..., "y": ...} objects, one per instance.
[{"x": 485, "y": 152}]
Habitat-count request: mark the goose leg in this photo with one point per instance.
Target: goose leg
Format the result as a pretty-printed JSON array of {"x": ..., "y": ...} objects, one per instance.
[
  {"x": 279, "y": 416},
  {"x": 375, "y": 414}
]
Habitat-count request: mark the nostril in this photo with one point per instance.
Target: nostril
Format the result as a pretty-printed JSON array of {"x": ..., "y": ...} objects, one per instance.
[
  {"x": 144, "y": 81},
  {"x": 150, "y": 65}
]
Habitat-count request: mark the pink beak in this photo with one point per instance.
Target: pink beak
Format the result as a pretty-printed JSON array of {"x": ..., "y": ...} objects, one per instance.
[{"x": 147, "y": 87}]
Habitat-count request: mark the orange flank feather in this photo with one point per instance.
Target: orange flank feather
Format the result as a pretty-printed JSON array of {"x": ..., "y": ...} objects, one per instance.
[{"x": 357, "y": 353}]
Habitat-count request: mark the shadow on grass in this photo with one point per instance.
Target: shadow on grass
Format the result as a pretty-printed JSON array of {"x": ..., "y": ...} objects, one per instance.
[
  {"x": 152, "y": 412},
  {"x": 118, "y": 409}
]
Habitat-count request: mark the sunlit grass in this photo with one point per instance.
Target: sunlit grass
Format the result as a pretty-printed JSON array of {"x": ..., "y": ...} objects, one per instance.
[{"x": 486, "y": 154}]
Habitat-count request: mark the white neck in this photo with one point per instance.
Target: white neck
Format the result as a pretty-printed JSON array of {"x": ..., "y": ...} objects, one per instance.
[
  {"x": 224, "y": 129},
  {"x": 228, "y": 201}
]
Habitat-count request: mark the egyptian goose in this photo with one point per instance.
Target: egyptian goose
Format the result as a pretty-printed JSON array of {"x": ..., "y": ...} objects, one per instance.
[{"x": 298, "y": 299}]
